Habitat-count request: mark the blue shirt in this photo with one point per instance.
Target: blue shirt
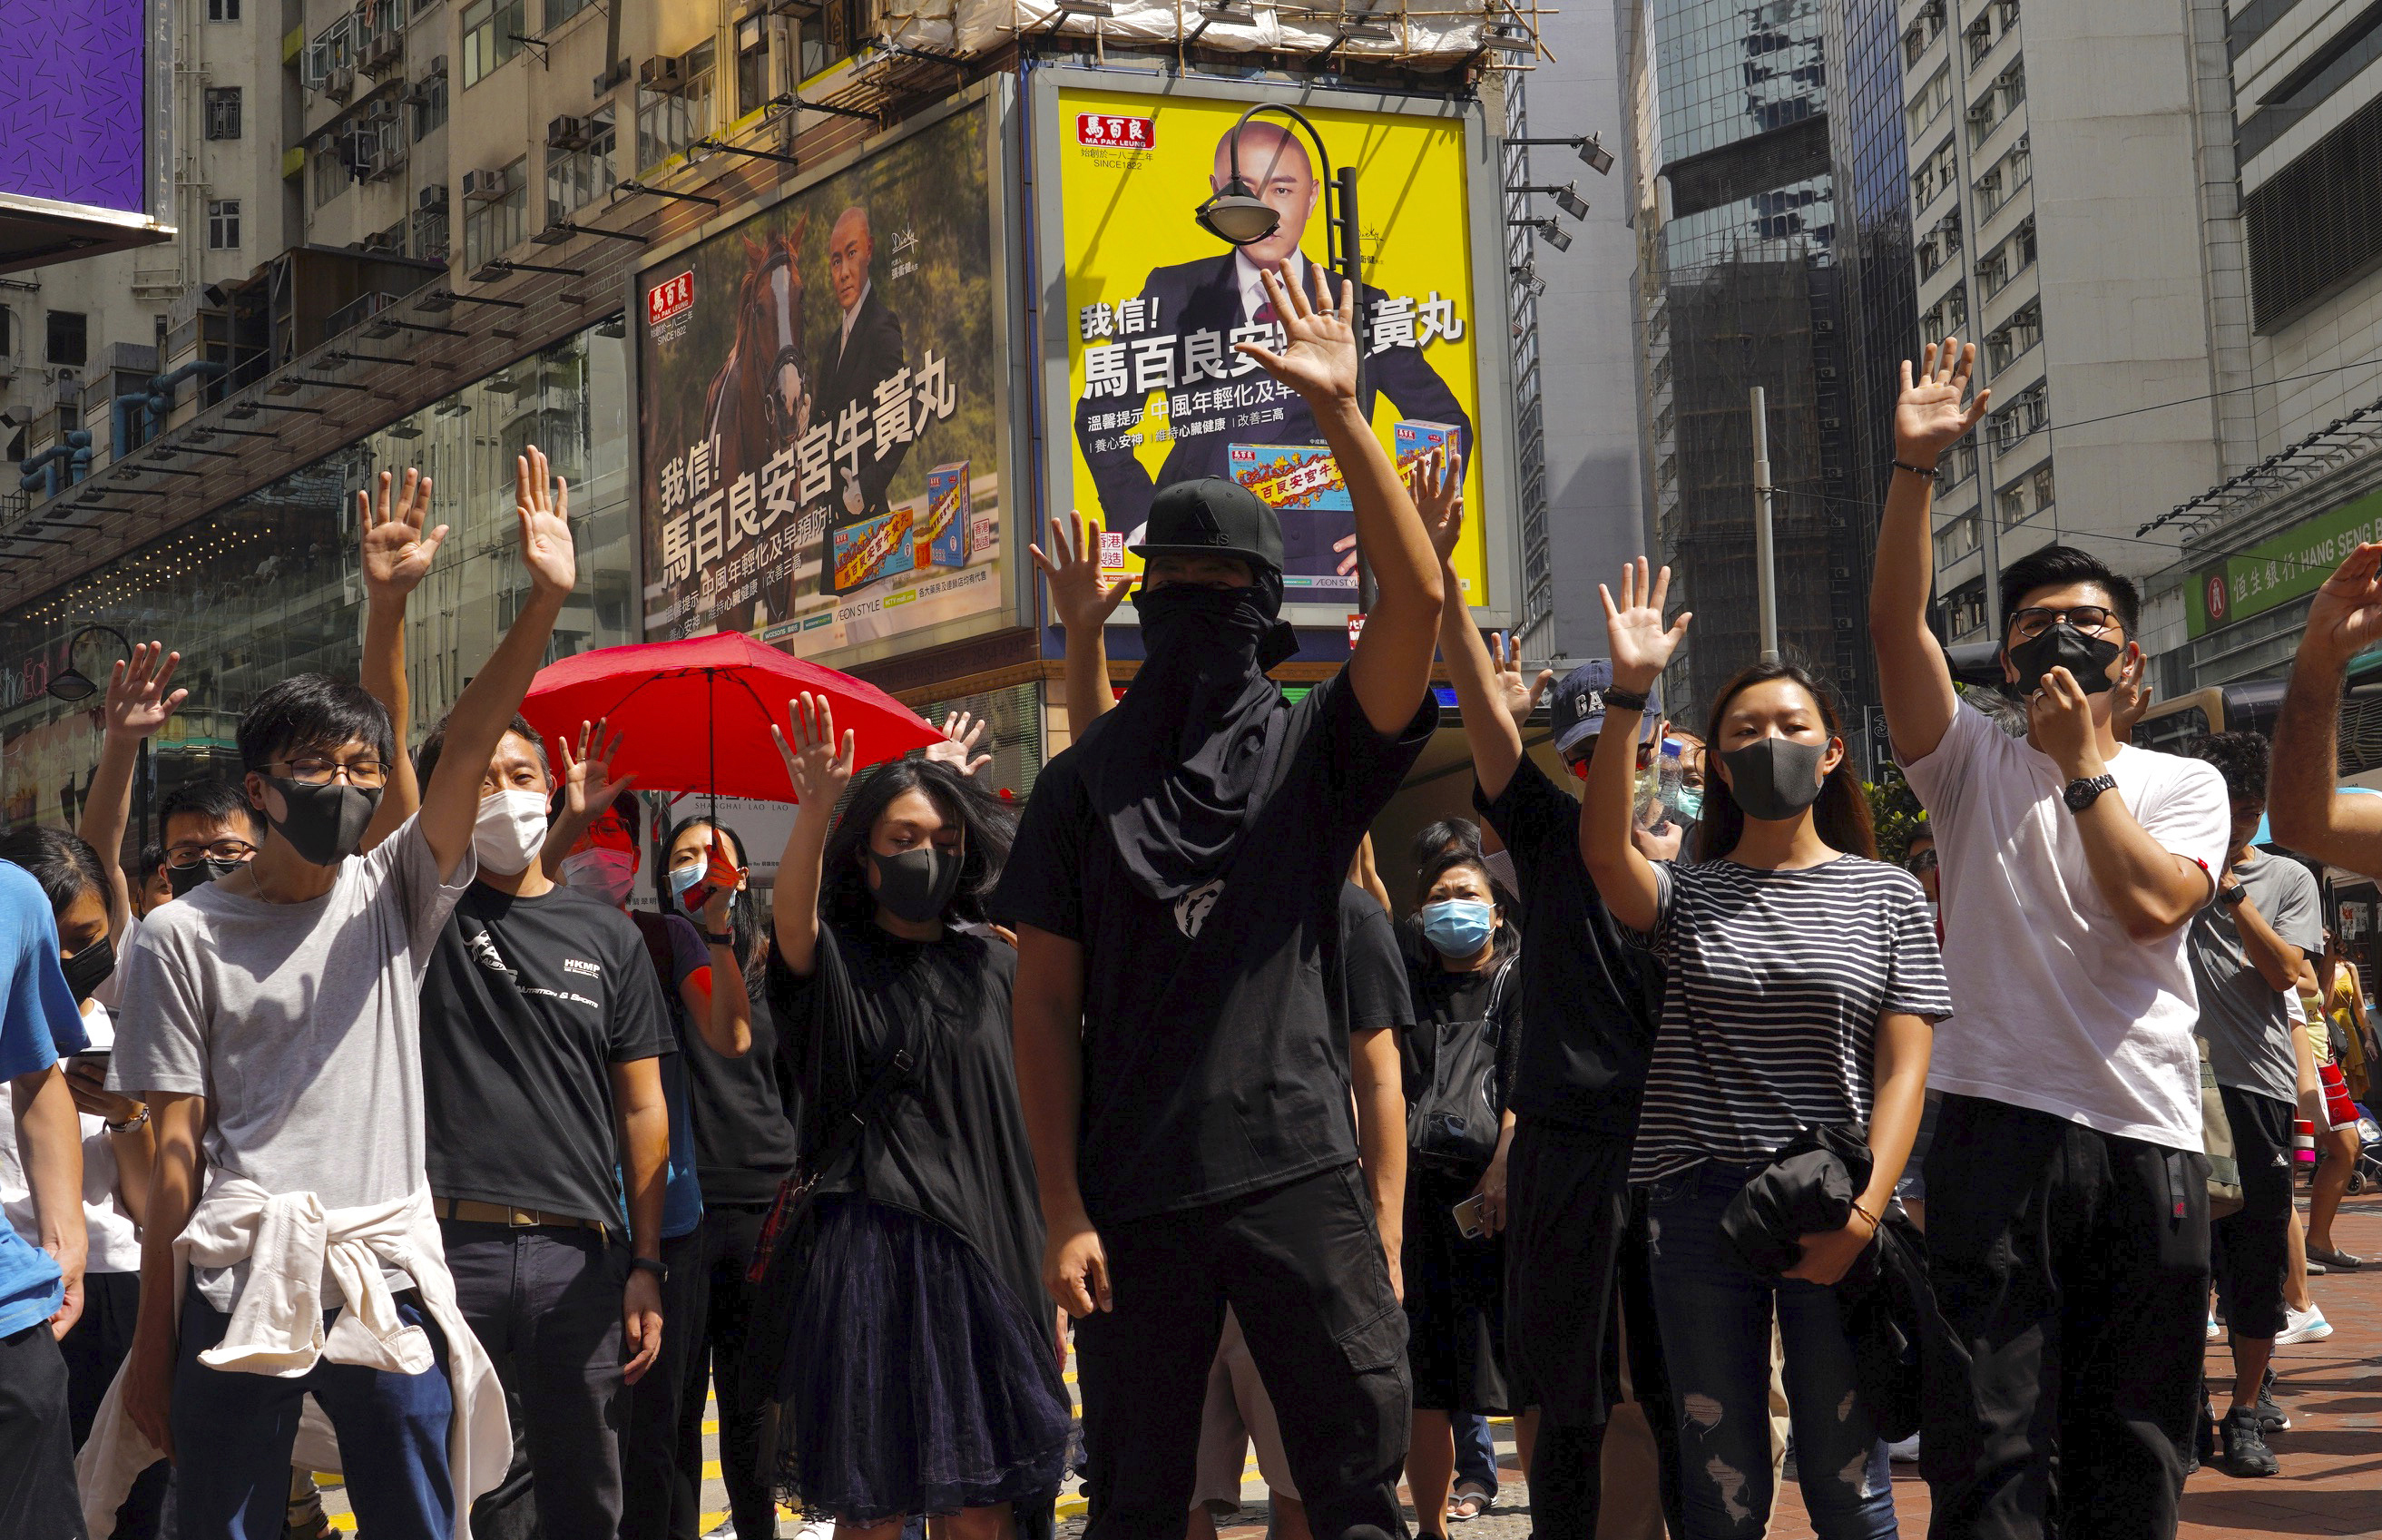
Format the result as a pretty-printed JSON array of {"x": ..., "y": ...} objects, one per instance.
[{"x": 39, "y": 1025}]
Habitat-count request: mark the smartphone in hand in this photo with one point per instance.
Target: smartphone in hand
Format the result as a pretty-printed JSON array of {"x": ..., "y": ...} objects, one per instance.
[{"x": 1469, "y": 1221}]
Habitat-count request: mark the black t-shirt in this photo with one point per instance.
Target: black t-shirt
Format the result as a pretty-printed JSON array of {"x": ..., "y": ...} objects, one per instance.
[
  {"x": 527, "y": 1005},
  {"x": 1477, "y": 998},
  {"x": 1372, "y": 970},
  {"x": 1590, "y": 995},
  {"x": 1215, "y": 1054},
  {"x": 744, "y": 1144},
  {"x": 950, "y": 1143}
]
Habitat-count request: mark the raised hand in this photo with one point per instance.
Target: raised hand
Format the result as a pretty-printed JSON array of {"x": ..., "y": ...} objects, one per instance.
[
  {"x": 1319, "y": 352},
  {"x": 1929, "y": 418},
  {"x": 397, "y": 552},
  {"x": 1641, "y": 644},
  {"x": 587, "y": 785},
  {"x": 138, "y": 701},
  {"x": 1436, "y": 483},
  {"x": 959, "y": 741},
  {"x": 816, "y": 766},
  {"x": 1519, "y": 696},
  {"x": 1079, "y": 596},
  {"x": 2345, "y": 617},
  {"x": 542, "y": 502}
]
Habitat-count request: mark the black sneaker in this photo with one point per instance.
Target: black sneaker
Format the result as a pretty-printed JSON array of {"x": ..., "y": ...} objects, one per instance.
[
  {"x": 2245, "y": 1447},
  {"x": 2271, "y": 1418}
]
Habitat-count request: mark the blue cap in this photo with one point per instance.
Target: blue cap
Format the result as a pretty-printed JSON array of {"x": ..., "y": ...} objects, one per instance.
[{"x": 1579, "y": 707}]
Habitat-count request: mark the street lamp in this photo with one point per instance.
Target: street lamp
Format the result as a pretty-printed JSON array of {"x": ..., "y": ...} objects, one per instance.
[
  {"x": 1590, "y": 147},
  {"x": 73, "y": 687}
]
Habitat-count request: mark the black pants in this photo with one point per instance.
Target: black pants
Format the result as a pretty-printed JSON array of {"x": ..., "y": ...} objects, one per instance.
[
  {"x": 729, "y": 1232},
  {"x": 545, "y": 1302},
  {"x": 1302, "y": 1266},
  {"x": 37, "y": 1478},
  {"x": 649, "y": 1473},
  {"x": 2249, "y": 1247},
  {"x": 2072, "y": 1269},
  {"x": 94, "y": 1349}
]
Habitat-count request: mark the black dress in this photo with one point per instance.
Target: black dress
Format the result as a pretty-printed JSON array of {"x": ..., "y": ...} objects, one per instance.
[
  {"x": 1454, "y": 1287},
  {"x": 921, "y": 1374}
]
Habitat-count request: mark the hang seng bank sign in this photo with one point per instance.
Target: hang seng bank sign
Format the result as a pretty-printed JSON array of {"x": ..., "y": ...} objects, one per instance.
[{"x": 2277, "y": 571}]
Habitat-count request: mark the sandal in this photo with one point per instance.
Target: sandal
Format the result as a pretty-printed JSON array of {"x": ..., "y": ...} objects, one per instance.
[
  {"x": 1468, "y": 1502},
  {"x": 2331, "y": 1258}
]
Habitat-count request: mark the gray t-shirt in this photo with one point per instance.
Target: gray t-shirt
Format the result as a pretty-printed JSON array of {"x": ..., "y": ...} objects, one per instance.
[
  {"x": 301, "y": 1025},
  {"x": 2248, "y": 1023}
]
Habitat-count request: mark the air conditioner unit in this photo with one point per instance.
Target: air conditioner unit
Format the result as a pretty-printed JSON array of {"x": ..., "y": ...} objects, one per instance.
[
  {"x": 433, "y": 196},
  {"x": 664, "y": 73},
  {"x": 340, "y": 84},
  {"x": 484, "y": 187},
  {"x": 566, "y": 133},
  {"x": 439, "y": 64}
]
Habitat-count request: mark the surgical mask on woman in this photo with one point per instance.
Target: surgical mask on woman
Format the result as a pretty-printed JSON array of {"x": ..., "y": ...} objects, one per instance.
[{"x": 1459, "y": 927}]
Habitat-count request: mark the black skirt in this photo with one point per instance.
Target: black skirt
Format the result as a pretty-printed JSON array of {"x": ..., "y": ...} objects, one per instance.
[{"x": 1456, "y": 1301}]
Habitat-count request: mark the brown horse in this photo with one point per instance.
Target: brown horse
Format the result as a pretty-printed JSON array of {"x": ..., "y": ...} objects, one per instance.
[{"x": 759, "y": 401}]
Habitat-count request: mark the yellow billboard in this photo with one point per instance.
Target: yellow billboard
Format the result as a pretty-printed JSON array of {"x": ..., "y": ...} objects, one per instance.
[{"x": 1155, "y": 393}]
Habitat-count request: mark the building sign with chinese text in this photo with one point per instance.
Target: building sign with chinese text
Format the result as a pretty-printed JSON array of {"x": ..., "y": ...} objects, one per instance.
[{"x": 2278, "y": 570}]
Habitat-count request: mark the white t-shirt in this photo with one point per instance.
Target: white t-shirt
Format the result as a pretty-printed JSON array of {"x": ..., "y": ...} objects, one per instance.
[
  {"x": 2055, "y": 1007},
  {"x": 114, "y": 1239}
]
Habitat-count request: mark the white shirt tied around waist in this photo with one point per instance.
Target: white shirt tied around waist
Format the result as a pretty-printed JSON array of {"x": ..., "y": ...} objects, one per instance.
[{"x": 291, "y": 1243}]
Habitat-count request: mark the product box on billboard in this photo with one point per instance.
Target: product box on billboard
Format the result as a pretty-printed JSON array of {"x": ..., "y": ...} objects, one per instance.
[
  {"x": 875, "y": 547},
  {"x": 1291, "y": 478},
  {"x": 946, "y": 537},
  {"x": 1416, "y": 440}
]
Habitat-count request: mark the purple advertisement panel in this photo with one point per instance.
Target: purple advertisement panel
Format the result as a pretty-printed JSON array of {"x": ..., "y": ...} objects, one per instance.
[{"x": 71, "y": 104}]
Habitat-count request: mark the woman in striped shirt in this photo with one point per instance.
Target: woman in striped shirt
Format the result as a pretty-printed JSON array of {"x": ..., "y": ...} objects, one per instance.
[{"x": 1802, "y": 982}]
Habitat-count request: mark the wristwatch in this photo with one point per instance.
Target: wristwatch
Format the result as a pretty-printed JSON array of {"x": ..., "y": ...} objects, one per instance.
[
  {"x": 2082, "y": 792},
  {"x": 659, "y": 1268},
  {"x": 2232, "y": 898},
  {"x": 720, "y": 938}
]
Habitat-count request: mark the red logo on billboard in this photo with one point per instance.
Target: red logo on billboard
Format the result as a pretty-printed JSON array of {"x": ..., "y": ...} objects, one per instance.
[
  {"x": 1100, "y": 130},
  {"x": 2217, "y": 598},
  {"x": 1355, "y": 629},
  {"x": 670, "y": 297}
]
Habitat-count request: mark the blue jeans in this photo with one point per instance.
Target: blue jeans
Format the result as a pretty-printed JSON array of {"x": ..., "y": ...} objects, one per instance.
[
  {"x": 1475, "y": 1451},
  {"x": 233, "y": 1435},
  {"x": 1715, "y": 1319}
]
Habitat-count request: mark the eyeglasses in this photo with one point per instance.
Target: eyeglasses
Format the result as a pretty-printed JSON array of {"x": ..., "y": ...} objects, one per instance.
[
  {"x": 317, "y": 771},
  {"x": 1924, "y": 861},
  {"x": 2026, "y": 624},
  {"x": 183, "y": 858}
]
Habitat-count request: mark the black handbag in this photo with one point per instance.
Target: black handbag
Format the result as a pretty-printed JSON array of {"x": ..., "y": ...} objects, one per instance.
[{"x": 1453, "y": 1123}]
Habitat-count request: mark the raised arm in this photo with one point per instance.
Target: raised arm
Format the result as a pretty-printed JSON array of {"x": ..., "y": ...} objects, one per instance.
[
  {"x": 721, "y": 1000},
  {"x": 1913, "y": 677},
  {"x": 1390, "y": 670},
  {"x": 2307, "y": 814},
  {"x": 1082, "y": 602},
  {"x": 450, "y": 804},
  {"x": 587, "y": 789},
  {"x": 396, "y": 554},
  {"x": 820, "y": 768},
  {"x": 1642, "y": 649},
  {"x": 1491, "y": 696},
  {"x": 139, "y": 701},
  {"x": 961, "y": 731}
]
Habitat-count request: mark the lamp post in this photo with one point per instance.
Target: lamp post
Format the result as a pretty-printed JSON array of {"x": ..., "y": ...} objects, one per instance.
[
  {"x": 73, "y": 687},
  {"x": 1239, "y": 217}
]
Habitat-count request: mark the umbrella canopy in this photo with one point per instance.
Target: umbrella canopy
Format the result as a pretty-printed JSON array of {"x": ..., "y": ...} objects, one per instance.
[{"x": 695, "y": 715}]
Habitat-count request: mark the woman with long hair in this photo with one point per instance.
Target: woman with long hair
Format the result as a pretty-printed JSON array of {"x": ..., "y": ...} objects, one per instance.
[
  {"x": 1467, "y": 1021},
  {"x": 2335, "y": 1019},
  {"x": 1802, "y": 981},
  {"x": 920, "y": 1374}
]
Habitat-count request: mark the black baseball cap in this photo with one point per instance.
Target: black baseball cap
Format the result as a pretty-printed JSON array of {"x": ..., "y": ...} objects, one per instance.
[
  {"x": 1579, "y": 707},
  {"x": 1211, "y": 517}
]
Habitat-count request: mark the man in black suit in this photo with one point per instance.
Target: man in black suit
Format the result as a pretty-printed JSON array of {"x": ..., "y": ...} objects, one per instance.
[
  {"x": 867, "y": 350},
  {"x": 1185, "y": 322}
]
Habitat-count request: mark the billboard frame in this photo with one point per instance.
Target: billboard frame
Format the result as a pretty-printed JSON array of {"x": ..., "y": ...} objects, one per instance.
[
  {"x": 1500, "y": 517},
  {"x": 997, "y": 95}
]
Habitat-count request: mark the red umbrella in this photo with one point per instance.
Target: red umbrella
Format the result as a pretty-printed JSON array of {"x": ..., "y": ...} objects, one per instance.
[{"x": 661, "y": 694}]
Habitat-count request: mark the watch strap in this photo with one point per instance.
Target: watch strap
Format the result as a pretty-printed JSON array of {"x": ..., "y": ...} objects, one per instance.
[
  {"x": 2085, "y": 790},
  {"x": 720, "y": 938},
  {"x": 659, "y": 1268}
]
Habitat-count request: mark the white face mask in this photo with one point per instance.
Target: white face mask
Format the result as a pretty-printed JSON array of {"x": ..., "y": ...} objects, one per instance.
[
  {"x": 605, "y": 873},
  {"x": 511, "y": 829}
]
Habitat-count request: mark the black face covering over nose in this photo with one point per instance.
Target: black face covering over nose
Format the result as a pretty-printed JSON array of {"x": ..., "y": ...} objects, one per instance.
[
  {"x": 1184, "y": 764},
  {"x": 185, "y": 881},
  {"x": 325, "y": 823},
  {"x": 2063, "y": 647}
]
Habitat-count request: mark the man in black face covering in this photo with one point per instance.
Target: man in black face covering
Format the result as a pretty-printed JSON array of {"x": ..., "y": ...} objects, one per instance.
[{"x": 1175, "y": 888}]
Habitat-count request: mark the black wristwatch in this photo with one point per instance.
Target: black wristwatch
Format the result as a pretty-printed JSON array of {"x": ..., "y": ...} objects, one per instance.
[
  {"x": 720, "y": 938},
  {"x": 2082, "y": 792},
  {"x": 659, "y": 1268},
  {"x": 2232, "y": 898}
]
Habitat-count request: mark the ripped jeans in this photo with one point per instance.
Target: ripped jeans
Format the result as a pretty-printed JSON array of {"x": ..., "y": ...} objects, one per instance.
[{"x": 1715, "y": 1319}]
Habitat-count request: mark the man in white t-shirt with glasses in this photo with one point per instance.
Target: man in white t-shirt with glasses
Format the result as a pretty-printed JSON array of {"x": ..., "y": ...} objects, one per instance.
[{"x": 2067, "y": 1193}]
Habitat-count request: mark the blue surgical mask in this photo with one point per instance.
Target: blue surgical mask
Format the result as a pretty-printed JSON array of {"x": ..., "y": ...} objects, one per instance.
[
  {"x": 686, "y": 877},
  {"x": 1688, "y": 803},
  {"x": 1459, "y": 926}
]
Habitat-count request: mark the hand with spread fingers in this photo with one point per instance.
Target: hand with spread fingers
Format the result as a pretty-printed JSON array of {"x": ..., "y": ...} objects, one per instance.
[
  {"x": 542, "y": 501},
  {"x": 961, "y": 731},
  {"x": 1319, "y": 352},
  {"x": 1518, "y": 696},
  {"x": 1436, "y": 483},
  {"x": 819, "y": 768},
  {"x": 1929, "y": 418},
  {"x": 587, "y": 785},
  {"x": 1641, "y": 644},
  {"x": 137, "y": 700},
  {"x": 1079, "y": 595},
  {"x": 397, "y": 550}
]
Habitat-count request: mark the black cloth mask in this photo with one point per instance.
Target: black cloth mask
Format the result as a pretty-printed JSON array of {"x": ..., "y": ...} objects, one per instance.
[
  {"x": 184, "y": 881},
  {"x": 2062, "y": 647},
  {"x": 917, "y": 884},
  {"x": 89, "y": 968},
  {"x": 1184, "y": 765},
  {"x": 1775, "y": 778},
  {"x": 325, "y": 823}
]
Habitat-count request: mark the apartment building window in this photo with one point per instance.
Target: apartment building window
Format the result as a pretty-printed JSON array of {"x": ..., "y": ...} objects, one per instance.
[
  {"x": 577, "y": 178},
  {"x": 430, "y": 232},
  {"x": 1933, "y": 98},
  {"x": 2011, "y": 86},
  {"x": 69, "y": 339},
  {"x": 751, "y": 65},
  {"x": 1980, "y": 38},
  {"x": 7, "y": 332},
  {"x": 428, "y": 96},
  {"x": 223, "y": 111},
  {"x": 1948, "y": 316},
  {"x": 1925, "y": 28},
  {"x": 560, "y": 11},
  {"x": 1964, "y": 609},
  {"x": 489, "y": 29},
  {"x": 2043, "y": 486},
  {"x": 494, "y": 228},
  {"x": 328, "y": 170},
  {"x": 2022, "y": 331},
  {"x": 843, "y": 29},
  {"x": 223, "y": 225},
  {"x": 223, "y": 10},
  {"x": 1956, "y": 539},
  {"x": 2024, "y": 417},
  {"x": 1960, "y": 462},
  {"x": 669, "y": 121},
  {"x": 2023, "y": 238},
  {"x": 1935, "y": 177}
]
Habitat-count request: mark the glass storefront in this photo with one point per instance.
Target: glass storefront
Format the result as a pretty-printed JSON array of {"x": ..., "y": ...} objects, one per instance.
[{"x": 269, "y": 587}]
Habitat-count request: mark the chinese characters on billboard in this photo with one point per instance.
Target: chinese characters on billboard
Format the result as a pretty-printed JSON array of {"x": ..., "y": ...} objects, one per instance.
[
  {"x": 822, "y": 444},
  {"x": 1155, "y": 304}
]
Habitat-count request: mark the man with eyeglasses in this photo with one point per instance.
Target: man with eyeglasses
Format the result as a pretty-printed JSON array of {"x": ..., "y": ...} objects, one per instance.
[{"x": 2067, "y": 1194}]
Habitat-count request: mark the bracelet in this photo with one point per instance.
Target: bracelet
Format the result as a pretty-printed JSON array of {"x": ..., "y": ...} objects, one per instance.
[
  {"x": 720, "y": 938},
  {"x": 1874, "y": 1226},
  {"x": 130, "y": 1125},
  {"x": 1931, "y": 472},
  {"x": 1624, "y": 700}
]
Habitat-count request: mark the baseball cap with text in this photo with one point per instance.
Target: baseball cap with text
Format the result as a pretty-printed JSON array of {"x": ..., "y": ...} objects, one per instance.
[{"x": 1579, "y": 707}]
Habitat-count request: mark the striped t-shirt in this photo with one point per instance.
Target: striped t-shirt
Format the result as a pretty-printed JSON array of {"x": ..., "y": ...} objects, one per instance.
[{"x": 1774, "y": 982}]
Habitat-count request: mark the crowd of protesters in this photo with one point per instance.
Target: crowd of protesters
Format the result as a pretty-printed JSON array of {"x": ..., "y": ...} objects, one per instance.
[{"x": 367, "y": 1127}]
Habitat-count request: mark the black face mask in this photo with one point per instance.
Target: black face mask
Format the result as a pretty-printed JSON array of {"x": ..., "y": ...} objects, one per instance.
[
  {"x": 916, "y": 884},
  {"x": 2062, "y": 647},
  {"x": 1774, "y": 779},
  {"x": 183, "y": 880},
  {"x": 89, "y": 968},
  {"x": 325, "y": 823},
  {"x": 1224, "y": 629}
]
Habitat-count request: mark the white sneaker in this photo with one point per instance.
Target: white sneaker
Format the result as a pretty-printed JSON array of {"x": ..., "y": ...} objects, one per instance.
[
  {"x": 2308, "y": 1325},
  {"x": 1905, "y": 1451},
  {"x": 725, "y": 1530},
  {"x": 817, "y": 1528},
  {"x": 2215, "y": 1331}
]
